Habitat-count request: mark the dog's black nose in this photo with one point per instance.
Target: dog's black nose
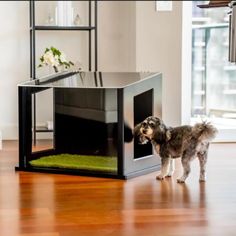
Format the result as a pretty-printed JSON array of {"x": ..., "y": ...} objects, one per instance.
[{"x": 144, "y": 131}]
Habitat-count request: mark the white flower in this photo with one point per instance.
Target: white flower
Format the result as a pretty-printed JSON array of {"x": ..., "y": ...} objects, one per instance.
[
  {"x": 63, "y": 57},
  {"x": 54, "y": 57},
  {"x": 49, "y": 59}
]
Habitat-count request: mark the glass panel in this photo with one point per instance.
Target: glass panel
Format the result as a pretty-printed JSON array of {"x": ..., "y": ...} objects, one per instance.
[
  {"x": 44, "y": 121},
  {"x": 198, "y": 72},
  {"x": 61, "y": 13},
  {"x": 213, "y": 77}
]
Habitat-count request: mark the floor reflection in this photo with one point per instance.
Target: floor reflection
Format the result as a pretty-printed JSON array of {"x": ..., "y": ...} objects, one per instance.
[
  {"x": 47, "y": 204},
  {"x": 164, "y": 202}
]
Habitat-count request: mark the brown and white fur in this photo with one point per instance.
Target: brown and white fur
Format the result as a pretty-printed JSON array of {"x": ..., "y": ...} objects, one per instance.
[{"x": 185, "y": 141}]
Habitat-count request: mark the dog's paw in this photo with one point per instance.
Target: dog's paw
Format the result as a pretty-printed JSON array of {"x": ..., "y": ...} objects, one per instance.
[
  {"x": 202, "y": 179},
  {"x": 181, "y": 180},
  {"x": 160, "y": 177},
  {"x": 170, "y": 174}
]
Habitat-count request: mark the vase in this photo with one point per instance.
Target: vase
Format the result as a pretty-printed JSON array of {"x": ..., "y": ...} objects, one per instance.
[{"x": 77, "y": 20}]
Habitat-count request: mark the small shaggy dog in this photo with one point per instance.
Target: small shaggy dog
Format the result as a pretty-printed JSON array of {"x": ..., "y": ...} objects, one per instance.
[{"x": 186, "y": 142}]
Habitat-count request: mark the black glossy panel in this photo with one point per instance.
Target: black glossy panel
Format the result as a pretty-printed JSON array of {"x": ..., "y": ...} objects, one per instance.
[
  {"x": 86, "y": 121},
  {"x": 87, "y": 137},
  {"x": 143, "y": 107}
]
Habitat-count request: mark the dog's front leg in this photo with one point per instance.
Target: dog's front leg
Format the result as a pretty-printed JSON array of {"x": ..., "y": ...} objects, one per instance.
[
  {"x": 165, "y": 163},
  {"x": 171, "y": 168}
]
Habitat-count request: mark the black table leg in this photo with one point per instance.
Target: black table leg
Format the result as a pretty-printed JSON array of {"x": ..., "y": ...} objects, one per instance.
[{"x": 25, "y": 125}]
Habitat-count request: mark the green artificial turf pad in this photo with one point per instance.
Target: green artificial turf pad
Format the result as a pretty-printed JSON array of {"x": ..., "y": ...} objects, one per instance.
[{"x": 73, "y": 161}]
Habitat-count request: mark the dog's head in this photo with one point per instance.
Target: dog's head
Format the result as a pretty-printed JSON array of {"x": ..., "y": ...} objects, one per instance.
[{"x": 152, "y": 128}]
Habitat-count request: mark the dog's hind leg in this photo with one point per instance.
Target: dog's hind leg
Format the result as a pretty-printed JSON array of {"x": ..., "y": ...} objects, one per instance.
[
  {"x": 186, "y": 167},
  {"x": 165, "y": 163},
  {"x": 171, "y": 168},
  {"x": 202, "y": 157}
]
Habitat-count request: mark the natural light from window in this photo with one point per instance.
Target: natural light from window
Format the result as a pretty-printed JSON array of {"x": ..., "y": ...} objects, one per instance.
[{"x": 213, "y": 77}]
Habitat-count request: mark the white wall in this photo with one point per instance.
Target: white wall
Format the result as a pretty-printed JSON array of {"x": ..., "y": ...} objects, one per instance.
[
  {"x": 116, "y": 49},
  {"x": 158, "y": 48},
  {"x": 131, "y": 36},
  {"x": 116, "y": 34},
  {"x": 14, "y": 61}
]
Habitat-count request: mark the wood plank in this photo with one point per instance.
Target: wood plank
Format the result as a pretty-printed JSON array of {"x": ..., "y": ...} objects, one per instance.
[{"x": 36, "y": 204}]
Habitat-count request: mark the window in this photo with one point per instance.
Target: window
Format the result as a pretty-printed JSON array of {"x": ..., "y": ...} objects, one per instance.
[{"x": 213, "y": 77}]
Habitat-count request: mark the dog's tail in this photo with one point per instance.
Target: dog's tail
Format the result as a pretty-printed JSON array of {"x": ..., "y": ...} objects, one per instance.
[{"x": 204, "y": 131}]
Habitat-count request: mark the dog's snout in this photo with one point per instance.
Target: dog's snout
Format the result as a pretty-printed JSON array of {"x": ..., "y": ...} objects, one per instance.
[{"x": 144, "y": 131}]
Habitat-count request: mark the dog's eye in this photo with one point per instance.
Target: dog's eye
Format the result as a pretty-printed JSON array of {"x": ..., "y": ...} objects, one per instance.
[
  {"x": 152, "y": 125},
  {"x": 144, "y": 124}
]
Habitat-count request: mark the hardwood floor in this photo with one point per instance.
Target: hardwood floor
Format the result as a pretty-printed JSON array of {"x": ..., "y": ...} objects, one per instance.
[{"x": 33, "y": 204}]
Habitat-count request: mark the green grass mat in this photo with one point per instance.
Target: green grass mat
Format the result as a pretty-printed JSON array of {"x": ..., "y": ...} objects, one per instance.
[{"x": 82, "y": 162}]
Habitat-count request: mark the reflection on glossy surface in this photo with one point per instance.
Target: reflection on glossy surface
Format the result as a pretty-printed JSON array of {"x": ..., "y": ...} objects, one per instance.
[
  {"x": 86, "y": 121},
  {"x": 89, "y": 80},
  {"x": 143, "y": 108},
  {"x": 43, "y": 144},
  {"x": 44, "y": 110},
  {"x": 87, "y": 137},
  {"x": 96, "y": 105}
]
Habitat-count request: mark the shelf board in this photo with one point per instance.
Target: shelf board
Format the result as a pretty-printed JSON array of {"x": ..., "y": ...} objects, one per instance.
[
  {"x": 47, "y": 27},
  {"x": 199, "y": 92},
  {"x": 42, "y": 129},
  {"x": 229, "y": 68},
  {"x": 229, "y": 91},
  {"x": 198, "y": 107},
  {"x": 199, "y": 44},
  {"x": 199, "y": 68}
]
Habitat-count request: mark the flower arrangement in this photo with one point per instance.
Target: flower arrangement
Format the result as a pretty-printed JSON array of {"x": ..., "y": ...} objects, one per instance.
[{"x": 55, "y": 58}]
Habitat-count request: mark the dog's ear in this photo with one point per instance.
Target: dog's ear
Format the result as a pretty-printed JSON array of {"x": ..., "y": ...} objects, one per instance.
[
  {"x": 158, "y": 121},
  {"x": 162, "y": 134}
]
